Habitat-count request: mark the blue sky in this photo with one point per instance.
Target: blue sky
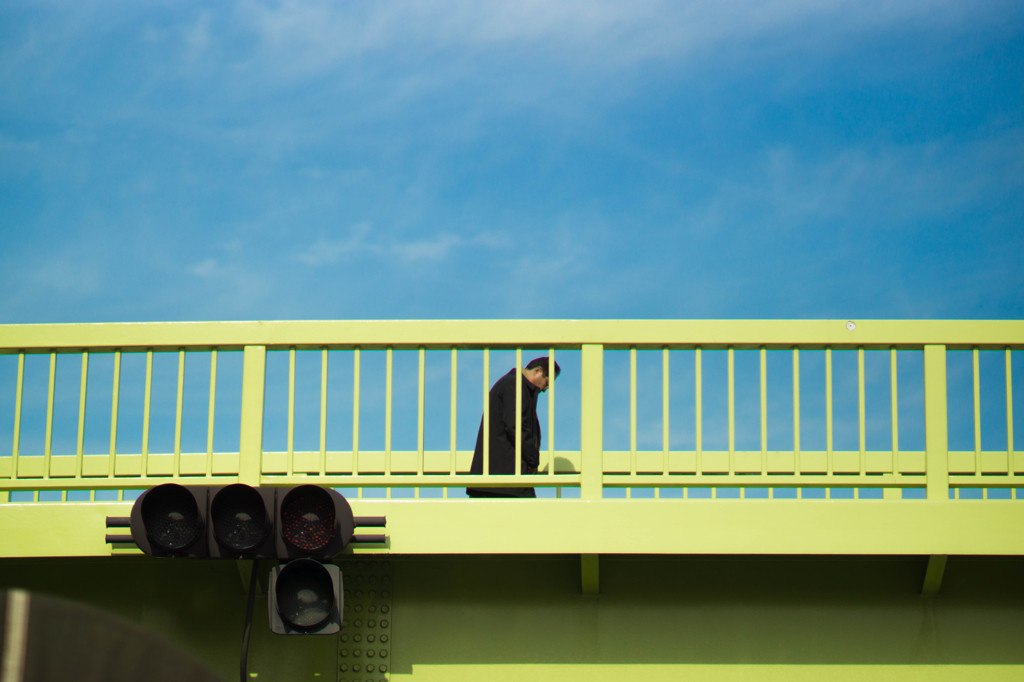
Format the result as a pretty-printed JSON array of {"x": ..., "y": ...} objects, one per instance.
[
  {"x": 328, "y": 160},
  {"x": 403, "y": 160}
]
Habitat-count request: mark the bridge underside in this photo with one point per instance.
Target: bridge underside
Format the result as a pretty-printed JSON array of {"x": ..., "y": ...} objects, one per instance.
[{"x": 711, "y": 617}]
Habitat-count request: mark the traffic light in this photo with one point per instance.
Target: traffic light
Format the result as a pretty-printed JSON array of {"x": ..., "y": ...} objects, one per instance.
[
  {"x": 241, "y": 519},
  {"x": 219, "y": 522},
  {"x": 170, "y": 520},
  {"x": 305, "y": 597},
  {"x": 302, "y": 526},
  {"x": 312, "y": 522},
  {"x": 241, "y": 522}
]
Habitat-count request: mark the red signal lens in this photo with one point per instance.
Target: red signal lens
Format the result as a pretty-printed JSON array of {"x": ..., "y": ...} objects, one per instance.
[{"x": 307, "y": 518}]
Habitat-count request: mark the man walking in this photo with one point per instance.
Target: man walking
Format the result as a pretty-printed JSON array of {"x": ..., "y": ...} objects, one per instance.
[{"x": 501, "y": 413}]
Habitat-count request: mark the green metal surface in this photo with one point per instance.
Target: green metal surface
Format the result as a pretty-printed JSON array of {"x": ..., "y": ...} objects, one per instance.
[
  {"x": 431, "y": 334},
  {"x": 251, "y": 441},
  {"x": 364, "y": 645},
  {"x": 524, "y": 617},
  {"x": 933, "y": 574},
  {"x": 843, "y": 527},
  {"x": 687, "y": 575},
  {"x": 936, "y": 425}
]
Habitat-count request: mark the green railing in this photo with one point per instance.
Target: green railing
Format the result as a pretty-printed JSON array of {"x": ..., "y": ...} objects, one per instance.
[{"x": 696, "y": 405}]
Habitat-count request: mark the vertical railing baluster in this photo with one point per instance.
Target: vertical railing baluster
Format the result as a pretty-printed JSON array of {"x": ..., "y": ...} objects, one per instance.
[
  {"x": 147, "y": 398},
  {"x": 389, "y": 381},
  {"x": 1011, "y": 467},
  {"x": 487, "y": 413},
  {"x": 665, "y": 419},
  {"x": 894, "y": 408},
  {"x": 828, "y": 410},
  {"x": 592, "y": 421},
  {"x": 632, "y": 411},
  {"x": 764, "y": 409},
  {"x": 16, "y": 440},
  {"x": 291, "y": 411},
  {"x": 19, "y": 389},
  {"x": 115, "y": 392},
  {"x": 323, "y": 412},
  {"x": 731, "y": 353},
  {"x": 80, "y": 445},
  {"x": 210, "y": 412},
  {"x": 355, "y": 414},
  {"x": 796, "y": 412},
  {"x": 976, "y": 370},
  {"x": 420, "y": 397},
  {"x": 518, "y": 470},
  {"x": 48, "y": 445},
  {"x": 698, "y": 428},
  {"x": 178, "y": 411},
  {"x": 115, "y": 403},
  {"x": 250, "y": 441},
  {"x": 453, "y": 413},
  {"x": 936, "y": 433},
  {"x": 551, "y": 416},
  {"x": 861, "y": 413}
]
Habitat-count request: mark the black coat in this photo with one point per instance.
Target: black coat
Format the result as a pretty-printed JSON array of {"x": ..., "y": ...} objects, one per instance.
[{"x": 502, "y": 447}]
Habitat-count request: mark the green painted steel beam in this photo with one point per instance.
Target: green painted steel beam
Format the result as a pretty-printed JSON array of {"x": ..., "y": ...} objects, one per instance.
[
  {"x": 933, "y": 574},
  {"x": 592, "y": 420},
  {"x": 711, "y": 672},
  {"x": 250, "y": 444},
  {"x": 838, "y": 527},
  {"x": 430, "y": 334},
  {"x": 590, "y": 575},
  {"x": 936, "y": 422}
]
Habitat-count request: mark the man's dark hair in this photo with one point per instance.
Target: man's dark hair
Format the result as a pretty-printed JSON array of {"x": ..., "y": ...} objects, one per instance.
[{"x": 545, "y": 364}]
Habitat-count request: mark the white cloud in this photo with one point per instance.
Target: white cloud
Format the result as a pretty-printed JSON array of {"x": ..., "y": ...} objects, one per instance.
[
  {"x": 197, "y": 36},
  {"x": 443, "y": 245},
  {"x": 51, "y": 281},
  {"x": 883, "y": 184},
  {"x": 362, "y": 241},
  {"x": 206, "y": 268},
  {"x": 221, "y": 289},
  {"x": 329, "y": 251},
  {"x": 319, "y": 34},
  {"x": 435, "y": 249}
]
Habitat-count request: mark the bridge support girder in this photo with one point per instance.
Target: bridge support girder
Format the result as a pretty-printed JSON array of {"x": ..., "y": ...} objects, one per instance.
[{"x": 933, "y": 574}]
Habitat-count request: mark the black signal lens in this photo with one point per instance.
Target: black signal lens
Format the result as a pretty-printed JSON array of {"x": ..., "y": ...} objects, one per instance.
[
  {"x": 305, "y": 594},
  {"x": 171, "y": 517},
  {"x": 239, "y": 517},
  {"x": 307, "y": 518}
]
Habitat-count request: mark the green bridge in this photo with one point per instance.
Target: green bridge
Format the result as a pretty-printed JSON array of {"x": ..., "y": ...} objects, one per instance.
[{"x": 716, "y": 500}]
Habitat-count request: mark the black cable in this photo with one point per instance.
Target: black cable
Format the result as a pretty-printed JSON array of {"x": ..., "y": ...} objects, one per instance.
[{"x": 248, "y": 621}]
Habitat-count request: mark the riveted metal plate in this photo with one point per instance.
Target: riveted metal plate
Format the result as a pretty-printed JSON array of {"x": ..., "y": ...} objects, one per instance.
[{"x": 364, "y": 645}]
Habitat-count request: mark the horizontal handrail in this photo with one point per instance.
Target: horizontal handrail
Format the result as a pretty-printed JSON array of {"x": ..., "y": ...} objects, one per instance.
[{"x": 509, "y": 334}]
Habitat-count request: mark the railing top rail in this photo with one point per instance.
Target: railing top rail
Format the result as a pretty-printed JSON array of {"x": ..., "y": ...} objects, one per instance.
[{"x": 611, "y": 334}]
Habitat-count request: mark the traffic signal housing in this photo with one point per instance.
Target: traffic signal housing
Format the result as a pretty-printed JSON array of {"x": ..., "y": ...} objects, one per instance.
[
  {"x": 170, "y": 521},
  {"x": 238, "y": 521},
  {"x": 305, "y": 597},
  {"x": 301, "y": 526},
  {"x": 241, "y": 522}
]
